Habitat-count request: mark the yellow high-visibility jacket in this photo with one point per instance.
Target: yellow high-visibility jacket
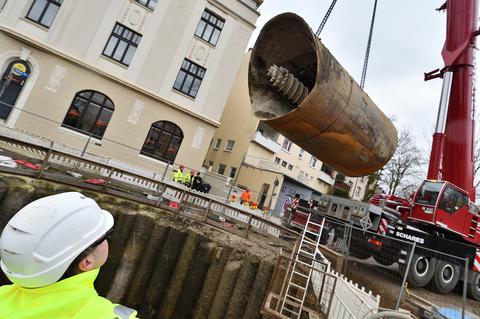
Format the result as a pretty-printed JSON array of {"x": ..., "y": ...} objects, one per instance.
[
  {"x": 178, "y": 176},
  {"x": 187, "y": 179},
  {"x": 73, "y": 298}
]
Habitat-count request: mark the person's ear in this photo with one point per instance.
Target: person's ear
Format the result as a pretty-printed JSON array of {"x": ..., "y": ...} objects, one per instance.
[{"x": 86, "y": 263}]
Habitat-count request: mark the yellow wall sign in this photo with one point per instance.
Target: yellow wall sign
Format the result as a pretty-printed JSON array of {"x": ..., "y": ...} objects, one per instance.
[{"x": 19, "y": 69}]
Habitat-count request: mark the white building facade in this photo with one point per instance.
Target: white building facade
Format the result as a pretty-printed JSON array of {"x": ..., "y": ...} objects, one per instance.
[{"x": 144, "y": 81}]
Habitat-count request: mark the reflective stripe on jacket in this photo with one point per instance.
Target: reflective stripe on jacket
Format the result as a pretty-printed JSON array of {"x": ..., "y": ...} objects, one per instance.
[{"x": 73, "y": 298}]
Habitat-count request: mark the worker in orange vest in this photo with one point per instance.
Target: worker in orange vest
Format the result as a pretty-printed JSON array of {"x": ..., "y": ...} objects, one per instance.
[{"x": 246, "y": 197}]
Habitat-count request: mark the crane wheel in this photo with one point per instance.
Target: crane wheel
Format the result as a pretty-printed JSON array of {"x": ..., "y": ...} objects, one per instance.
[
  {"x": 446, "y": 277},
  {"x": 473, "y": 287},
  {"x": 422, "y": 270}
]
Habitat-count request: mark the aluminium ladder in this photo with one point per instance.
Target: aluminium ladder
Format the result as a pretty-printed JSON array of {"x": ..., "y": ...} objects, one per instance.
[{"x": 301, "y": 270}]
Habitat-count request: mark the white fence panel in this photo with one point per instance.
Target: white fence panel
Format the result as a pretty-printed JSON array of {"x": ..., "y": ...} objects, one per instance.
[{"x": 351, "y": 302}]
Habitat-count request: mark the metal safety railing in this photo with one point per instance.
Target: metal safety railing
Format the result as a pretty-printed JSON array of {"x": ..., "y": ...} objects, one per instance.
[{"x": 45, "y": 162}]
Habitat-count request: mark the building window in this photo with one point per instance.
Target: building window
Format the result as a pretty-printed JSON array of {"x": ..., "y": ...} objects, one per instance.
[
  {"x": 233, "y": 171},
  {"x": 284, "y": 164},
  {"x": 11, "y": 85},
  {"x": 209, "y": 27},
  {"x": 300, "y": 153},
  {"x": 44, "y": 11},
  {"x": 89, "y": 113},
  {"x": 277, "y": 160},
  {"x": 229, "y": 146},
  {"x": 189, "y": 78},
  {"x": 313, "y": 161},
  {"x": 218, "y": 143},
  {"x": 221, "y": 169},
  {"x": 148, "y": 3},
  {"x": 163, "y": 141},
  {"x": 357, "y": 191},
  {"x": 210, "y": 164},
  {"x": 290, "y": 167},
  {"x": 287, "y": 145},
  {"x": 122, "y": 44}
]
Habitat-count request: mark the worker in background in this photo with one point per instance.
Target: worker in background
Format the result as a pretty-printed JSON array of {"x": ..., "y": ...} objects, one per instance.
[
  {"x": 293, "y": 206},
  {"x": 178, "y": 175},
  {"x": 52, "y": 251},
  {"x": 197, "y": 182},
  {"x": 246, "y": 197},
  {"x": 187, "y": 178}
]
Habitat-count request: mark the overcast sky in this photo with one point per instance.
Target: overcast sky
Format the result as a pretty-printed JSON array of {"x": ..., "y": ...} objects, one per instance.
[{"x": 407, "y": 41}]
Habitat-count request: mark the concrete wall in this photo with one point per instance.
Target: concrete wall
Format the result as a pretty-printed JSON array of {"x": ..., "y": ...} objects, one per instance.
[{"x": 161, "y": 264}]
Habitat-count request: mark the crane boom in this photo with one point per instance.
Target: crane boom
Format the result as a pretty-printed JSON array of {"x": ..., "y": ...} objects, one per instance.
[{"x": 452, "y": 150}]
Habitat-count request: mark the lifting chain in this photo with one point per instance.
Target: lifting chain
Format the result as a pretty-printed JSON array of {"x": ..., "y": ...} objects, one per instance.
[
  {"x": 369, "y": 43},
  {"x": 325, "y": 18},
  {"x": 367, "y": 52}
]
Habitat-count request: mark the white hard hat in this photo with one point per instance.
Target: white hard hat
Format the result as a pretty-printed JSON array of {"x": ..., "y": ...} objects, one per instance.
[{"x": 44, "y": 237}]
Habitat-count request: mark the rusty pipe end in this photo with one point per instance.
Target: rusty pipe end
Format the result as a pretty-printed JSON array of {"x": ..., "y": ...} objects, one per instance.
[
  {"x": 300, "y": 90},
  {"x": 285, "y": 41}
]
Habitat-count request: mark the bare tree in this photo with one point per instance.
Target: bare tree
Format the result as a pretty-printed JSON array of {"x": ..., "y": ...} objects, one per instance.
[
  {"x": 402, "y": 172},
  {"x": 476, "y": 164},
  {"x": 372, "y": 185}
]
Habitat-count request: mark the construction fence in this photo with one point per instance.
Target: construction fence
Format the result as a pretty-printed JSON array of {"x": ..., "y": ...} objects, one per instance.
[
  {"x": 404, "y": 274},
  {"x": 329, "y": 293},
  {"x": 356, "y": 272},
  {"x": 47, "y": 163},
  {"x": 77, "y": 143}
]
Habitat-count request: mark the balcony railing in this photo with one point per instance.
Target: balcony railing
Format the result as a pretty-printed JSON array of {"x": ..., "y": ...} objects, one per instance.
[
  {"x": 265, "y": 142},
  {"x": 326, "y": 178}
]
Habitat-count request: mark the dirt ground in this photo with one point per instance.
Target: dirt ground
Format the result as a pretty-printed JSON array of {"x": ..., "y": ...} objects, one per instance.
[{"x": 386, "y": 282}]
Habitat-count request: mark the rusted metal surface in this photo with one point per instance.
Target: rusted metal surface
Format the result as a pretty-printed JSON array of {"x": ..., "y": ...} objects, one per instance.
[{"x": 337, "y": 122}]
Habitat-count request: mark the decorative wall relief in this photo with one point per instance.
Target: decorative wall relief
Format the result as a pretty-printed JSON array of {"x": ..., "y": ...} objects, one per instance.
[
  {"x": 58, "y": 73},
  {"x": 198, "y": 138},
  {"x": 136, "y": 112},
  {"x": 133, "y": 16},
  {"x": 199, "y": 52}
]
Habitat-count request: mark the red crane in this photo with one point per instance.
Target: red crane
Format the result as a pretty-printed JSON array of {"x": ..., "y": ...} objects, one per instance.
[
  {"x": 442, "y": 215},
  {"x": 443, "y": 200},
  {"x": 452, "y": 150}
]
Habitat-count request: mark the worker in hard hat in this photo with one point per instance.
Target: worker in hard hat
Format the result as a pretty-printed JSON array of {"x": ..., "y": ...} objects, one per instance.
[
  {"x": 178, "y": 175},
  {"x": 52, "y": 250},
  {"x": 188, "y": 178}
]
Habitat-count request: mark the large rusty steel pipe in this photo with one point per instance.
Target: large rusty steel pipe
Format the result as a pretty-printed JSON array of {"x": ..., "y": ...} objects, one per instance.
[{"x": 300, "y": 90}]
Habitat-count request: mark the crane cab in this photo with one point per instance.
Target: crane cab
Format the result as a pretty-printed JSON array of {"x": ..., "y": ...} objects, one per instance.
[{"x": 447, "y": 206}]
